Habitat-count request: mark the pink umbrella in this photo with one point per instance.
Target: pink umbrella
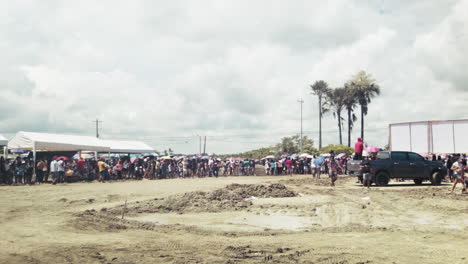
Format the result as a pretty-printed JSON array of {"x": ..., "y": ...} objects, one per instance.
[
  {"x": 372, "y": 149},
  {"x": 132, "y": 160}
]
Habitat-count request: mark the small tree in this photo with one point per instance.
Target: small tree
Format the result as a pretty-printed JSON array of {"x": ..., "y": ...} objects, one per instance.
[
  {"x": 350, "y": 102},
  {"x": 337, "y": 149},
  {"x": 365, "y": 89},
  {"x": 320, "y": 88},
  {"x": 336, "y": 100}
]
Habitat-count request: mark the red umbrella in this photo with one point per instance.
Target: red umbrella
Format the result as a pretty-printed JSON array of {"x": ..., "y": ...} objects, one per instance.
[{"x": 62, "y": 157}]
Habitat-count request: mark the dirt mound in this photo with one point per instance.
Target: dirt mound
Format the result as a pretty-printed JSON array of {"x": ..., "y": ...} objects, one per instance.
[
  {"x": 228, "y": 198},
  {"x": 263, "y": 191},
  {"x": 231, "y": 197}
]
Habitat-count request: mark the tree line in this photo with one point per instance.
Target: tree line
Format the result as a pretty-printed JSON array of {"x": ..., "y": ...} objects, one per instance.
[
  {"x": 357, "y": 92},
  {"x": 291, "y": 145}
]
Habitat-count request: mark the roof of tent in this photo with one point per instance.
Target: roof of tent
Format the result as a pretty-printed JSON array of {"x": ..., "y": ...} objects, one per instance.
[
  {"x": 56, "y": 142},
  {"x": 3, "y": 141},
  {"x": 118, "y": 146}
]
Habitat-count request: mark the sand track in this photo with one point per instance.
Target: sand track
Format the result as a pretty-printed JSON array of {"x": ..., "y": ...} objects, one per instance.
[{"x": 81, "y": 223}]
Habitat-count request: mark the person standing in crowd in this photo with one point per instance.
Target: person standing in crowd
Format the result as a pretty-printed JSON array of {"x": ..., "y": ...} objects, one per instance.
[
  {"x": 61, "y": 170},
  {"x": 449, "y": 164},
  {"x": 125, "y": 167},
  {"x": 246, "y": 167},
  {"x": 40, "y": 171},
  {"x": 289, "y": 166},
  {"x": 8, "y": 172},
  {"x": 358, "y": 149},
  {"x": 274, "y": 167},
  {"x": 29, "y": 172},
  {"x": 53, "y": 171},
  {"x": 301, "y": 166},
  {"x": 313, "y": 167},
  {"x": 252, "y": 167},
  {"x": 465, "y": 171},
  {"x": 20, "y": 171},
  {"x": 279, "y": 167},
  {"x": 2, "y": 170},
  {"x": 80, "y": 167},
  {"x": 118, "y": 170},
  {"x": 215, "y": 168},
  {"x": 267, "y": 167},
  {"x": 458, "y": 174},
  {"x": 102, "y": 167},
  {"x": 45, "y": 171}
]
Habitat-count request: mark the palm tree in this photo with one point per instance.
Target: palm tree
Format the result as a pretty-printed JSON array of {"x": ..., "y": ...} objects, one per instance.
[
  {"x": 350, "y": 102},
  {"x": 336, "y": 99},
  {"x": 365, "y": 88},
  {"x": 320, "y": 88}
]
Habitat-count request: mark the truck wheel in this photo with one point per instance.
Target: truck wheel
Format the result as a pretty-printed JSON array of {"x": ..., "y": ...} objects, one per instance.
[
  {"x": 436, "y": 179},
  {"x": 382, "y": 179},
  {"x": 418, "y": 181}
]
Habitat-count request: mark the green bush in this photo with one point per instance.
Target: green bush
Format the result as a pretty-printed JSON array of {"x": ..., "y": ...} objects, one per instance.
[{"x": 337, "y": 149}]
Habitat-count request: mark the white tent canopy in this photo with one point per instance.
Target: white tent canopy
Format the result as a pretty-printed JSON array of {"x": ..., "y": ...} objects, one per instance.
[
  {"x": 55, "y": 142},
  {"x": 118, "y": 146},
  {"x": 3, "y": 141}
]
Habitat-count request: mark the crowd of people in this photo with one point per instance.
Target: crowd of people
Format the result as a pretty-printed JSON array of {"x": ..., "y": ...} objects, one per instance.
[
  {"x": 19, "y": 171},
  {"x": 312, "y": 165},
  {"x": 63, "y": 169}
]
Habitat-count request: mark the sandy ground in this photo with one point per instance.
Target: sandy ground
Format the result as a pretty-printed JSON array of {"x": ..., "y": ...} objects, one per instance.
[{"x": 73, "y": 223}]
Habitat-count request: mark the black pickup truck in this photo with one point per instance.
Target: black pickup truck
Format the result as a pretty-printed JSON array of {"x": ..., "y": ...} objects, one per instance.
[{"x": 400, "y": 164}]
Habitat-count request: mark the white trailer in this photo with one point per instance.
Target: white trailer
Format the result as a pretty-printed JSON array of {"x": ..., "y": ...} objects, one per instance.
[{"x": 448, "y": 136}]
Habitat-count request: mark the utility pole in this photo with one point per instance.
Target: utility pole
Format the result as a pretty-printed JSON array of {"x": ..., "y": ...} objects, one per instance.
[
  {"x": 204, "y": 147},
  {"x": 97, "y": 126},
  {"x": 199, "y": 144},
  {"x": 301, "y": 102}
]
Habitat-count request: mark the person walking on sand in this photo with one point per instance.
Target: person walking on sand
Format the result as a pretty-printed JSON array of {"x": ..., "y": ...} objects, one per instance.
[
  {"x": 333, "y": 167},
  {"x": 458, "y": 174}
]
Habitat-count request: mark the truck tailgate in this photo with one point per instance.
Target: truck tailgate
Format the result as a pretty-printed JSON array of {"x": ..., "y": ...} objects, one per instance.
[{"x": 354, "y": 168}]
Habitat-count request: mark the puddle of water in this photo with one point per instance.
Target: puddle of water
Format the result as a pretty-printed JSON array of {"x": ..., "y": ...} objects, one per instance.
[
  {"x": 230, "y": 221},
  {"x": 274, "y": 221}
]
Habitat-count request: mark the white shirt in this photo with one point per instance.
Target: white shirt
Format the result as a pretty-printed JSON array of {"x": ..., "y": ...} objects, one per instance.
[
  {"x": 60, "y": 166},
  {"x": 53, "y": 166}
]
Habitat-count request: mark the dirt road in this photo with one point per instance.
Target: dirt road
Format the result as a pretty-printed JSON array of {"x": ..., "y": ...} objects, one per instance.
[{"x": 191, "y": 221}]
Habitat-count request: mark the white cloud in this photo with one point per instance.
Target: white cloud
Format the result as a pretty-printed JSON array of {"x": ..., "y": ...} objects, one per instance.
[{"x": 233, "y": 70}]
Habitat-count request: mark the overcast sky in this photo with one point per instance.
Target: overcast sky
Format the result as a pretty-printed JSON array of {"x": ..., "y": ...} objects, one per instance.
[{"x": 167, "y": 71}]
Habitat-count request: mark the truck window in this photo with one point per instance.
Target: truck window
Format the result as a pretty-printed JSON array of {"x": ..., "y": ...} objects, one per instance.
[
  {"x": 399, "y": 156},
  {"x": 415, "y": 157},
  {"x": 383, "y": 155}
]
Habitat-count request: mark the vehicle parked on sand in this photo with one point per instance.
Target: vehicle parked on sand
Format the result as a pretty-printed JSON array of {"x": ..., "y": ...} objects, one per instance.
[{"x": 400, "y": 164}]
